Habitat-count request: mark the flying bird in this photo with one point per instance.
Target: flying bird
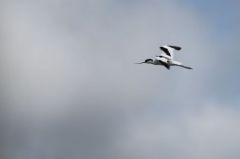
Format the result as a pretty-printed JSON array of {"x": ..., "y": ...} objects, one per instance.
[{"x": 166, "y": 58}]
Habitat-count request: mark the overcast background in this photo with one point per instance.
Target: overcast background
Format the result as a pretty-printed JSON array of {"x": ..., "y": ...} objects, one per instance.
[{"x": 70, "y": 88}]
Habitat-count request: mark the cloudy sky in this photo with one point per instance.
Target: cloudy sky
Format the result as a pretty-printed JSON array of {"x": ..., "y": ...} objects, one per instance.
[{"x": 70, "y": 88}]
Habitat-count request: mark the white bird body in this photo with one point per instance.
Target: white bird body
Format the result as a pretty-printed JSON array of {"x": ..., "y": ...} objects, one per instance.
[{"x": 166, "y": 57}]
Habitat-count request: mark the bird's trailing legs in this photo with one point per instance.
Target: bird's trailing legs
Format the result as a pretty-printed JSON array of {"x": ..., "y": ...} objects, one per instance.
[{"x": 176, "y": 63}]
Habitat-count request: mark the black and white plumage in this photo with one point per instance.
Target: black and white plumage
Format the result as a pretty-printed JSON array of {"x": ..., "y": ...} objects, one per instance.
[
  {"x": 166, "y": 57},
  {"x": 167, "y": 50}
]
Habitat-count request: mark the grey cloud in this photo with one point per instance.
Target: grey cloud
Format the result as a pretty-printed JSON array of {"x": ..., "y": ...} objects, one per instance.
[{"x": 203, "y": 134}]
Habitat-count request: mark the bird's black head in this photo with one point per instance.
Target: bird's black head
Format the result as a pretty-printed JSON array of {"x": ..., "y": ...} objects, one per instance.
[{"x": 148, "y": 61}]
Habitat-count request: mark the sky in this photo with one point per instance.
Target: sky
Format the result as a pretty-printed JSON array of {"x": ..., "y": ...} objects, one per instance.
[{"x": 70, "y": 88}]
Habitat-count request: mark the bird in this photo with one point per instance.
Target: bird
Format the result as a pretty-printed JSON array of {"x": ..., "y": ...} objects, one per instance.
[{"x": 166, "y": 58}]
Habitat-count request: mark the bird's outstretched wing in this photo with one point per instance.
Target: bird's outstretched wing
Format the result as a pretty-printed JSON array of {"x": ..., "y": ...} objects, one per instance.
[{"x": 167, "y": 50}]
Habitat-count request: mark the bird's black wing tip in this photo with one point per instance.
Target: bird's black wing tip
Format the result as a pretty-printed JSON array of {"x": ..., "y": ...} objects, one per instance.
[{"x": 175, "y": 47}]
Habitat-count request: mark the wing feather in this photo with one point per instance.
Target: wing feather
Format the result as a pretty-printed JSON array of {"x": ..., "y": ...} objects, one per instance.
[
  {"x": 168, "y": 50},
  {"x": 165, "y": 50},
  {"x": 175, "y": 47}
]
